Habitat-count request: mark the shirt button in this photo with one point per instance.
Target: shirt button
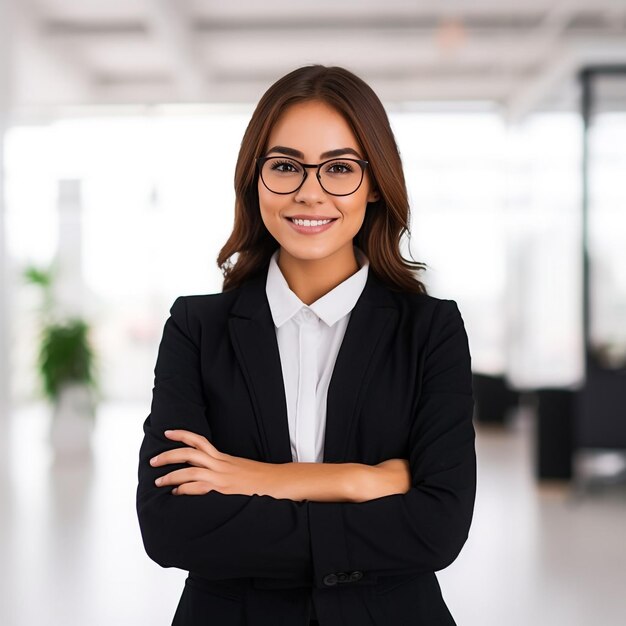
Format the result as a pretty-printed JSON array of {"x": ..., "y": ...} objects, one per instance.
[{"x": 309, "y": 315}]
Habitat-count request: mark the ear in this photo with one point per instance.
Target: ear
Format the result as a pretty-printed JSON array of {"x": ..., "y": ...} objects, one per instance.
[{"x": 373, "y": 196}]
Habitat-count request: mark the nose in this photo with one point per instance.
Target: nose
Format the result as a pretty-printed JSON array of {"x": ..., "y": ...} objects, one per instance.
[{"x": 311, "y": 190}]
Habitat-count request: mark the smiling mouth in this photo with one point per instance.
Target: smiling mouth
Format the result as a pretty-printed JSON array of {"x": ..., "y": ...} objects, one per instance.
[
  {"x": 311, "y": 227},
  {"x": 312, "y": 222}
]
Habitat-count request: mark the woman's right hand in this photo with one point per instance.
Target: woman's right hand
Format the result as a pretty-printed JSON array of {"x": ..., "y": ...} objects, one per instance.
[{"x": 384, "y": 479}]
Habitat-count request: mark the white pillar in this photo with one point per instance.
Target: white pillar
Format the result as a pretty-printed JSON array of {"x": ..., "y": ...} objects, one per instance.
[
  {"x": 5, "y": 296},
  {"x": 69, "y": 286}
]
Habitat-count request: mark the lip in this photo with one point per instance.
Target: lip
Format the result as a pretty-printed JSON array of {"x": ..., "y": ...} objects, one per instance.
[
  {"x": 311, "y": 230},
  {"x": 310, "y": 217}
]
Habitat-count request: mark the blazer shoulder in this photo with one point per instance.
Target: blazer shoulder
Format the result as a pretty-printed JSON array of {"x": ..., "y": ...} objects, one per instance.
[
  {"x": 435, "y": 318},
  {"x": 423, "y": 305},
  {"x": 200, "y": 303},
  {"x": 198, "y": 311}
]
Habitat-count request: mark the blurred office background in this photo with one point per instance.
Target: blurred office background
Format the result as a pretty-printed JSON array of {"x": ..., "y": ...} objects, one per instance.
[{"x": 120, "y": 124}]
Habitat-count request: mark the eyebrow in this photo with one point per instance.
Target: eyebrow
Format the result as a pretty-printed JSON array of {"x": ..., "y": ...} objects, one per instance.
[{"x": 328, "y": 154}]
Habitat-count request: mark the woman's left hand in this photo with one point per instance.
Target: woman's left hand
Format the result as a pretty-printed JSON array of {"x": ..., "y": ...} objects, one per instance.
[{"x": 212, "y": 469}]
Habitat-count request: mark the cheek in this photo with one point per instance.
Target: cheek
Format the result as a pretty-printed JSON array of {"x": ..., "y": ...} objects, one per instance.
[
  {"x": 269, "y": 203},
  {"x": 270, "y": 206},
  {"x": 262, "y": 195},
  {"x": 353, "y": 211}
]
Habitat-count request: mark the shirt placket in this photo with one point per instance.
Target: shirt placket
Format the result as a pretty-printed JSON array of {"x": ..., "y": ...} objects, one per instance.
[{"x": 306, "y": 422}]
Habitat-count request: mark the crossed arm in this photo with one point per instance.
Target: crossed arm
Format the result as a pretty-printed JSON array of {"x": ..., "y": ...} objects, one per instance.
[
  {"x": 230, "y": 536},
  {"x": 211, "y": 469}
]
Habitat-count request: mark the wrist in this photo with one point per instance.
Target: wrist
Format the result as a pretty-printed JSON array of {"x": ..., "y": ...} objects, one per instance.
[
  {"x": 359, "y": 482},
  {"x": 320, "y": 482}
]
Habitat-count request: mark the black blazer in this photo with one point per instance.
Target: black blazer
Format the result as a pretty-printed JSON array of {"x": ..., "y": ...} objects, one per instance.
[{"x": 401, "y": 388}]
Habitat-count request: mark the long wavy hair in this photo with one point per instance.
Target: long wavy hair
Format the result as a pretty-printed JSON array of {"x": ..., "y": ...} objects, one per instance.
[{"x": 386, "y": 220}]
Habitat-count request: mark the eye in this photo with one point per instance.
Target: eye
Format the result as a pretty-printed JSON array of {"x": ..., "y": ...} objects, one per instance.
[
  {"x": 338, "y": 167},
  {"x": 282, "y": 166}
]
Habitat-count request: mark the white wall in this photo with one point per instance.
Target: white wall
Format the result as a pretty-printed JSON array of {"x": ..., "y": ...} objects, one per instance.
[{"x": 5, "y": 98}]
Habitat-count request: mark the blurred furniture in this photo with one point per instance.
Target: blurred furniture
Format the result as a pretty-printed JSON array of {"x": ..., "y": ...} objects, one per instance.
[
  {"x": 599, "y": 410},
  {"x": 554, "y": 443}
]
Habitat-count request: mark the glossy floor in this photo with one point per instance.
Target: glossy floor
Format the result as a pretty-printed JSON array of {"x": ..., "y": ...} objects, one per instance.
[{"x": 71, "y": 552}]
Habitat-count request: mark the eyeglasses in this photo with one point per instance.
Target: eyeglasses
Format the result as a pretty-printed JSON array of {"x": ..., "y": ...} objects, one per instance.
[{"x": 338, "y": 177}]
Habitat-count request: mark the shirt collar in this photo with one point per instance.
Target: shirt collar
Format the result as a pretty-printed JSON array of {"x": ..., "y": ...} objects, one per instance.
[{"x": 331, "y": 307}]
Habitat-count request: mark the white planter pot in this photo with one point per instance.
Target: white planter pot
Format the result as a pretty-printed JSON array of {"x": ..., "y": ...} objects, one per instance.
[{"x": 72, "y": 421}]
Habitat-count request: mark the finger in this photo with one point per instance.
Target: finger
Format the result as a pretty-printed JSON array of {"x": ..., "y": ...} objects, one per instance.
[
  {"x": 195, "y": 488},
  {"x": 187, "y": 474},
  {"x": 192, "y": 439},
  {"x": 182, "y": 455}
]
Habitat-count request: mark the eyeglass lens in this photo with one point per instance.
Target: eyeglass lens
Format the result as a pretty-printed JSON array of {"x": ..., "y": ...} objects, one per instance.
[{"x": 339, "y": 176}]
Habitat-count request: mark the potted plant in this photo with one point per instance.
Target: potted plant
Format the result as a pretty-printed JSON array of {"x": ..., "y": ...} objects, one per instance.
[{"x": 66, "y": 367}]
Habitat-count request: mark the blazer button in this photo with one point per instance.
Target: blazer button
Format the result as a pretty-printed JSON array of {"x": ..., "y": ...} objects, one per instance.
[
  {"x": 330, "y": 579},
  {"x": 342, "y": 577},
  {"x": 357, "y": 575}
]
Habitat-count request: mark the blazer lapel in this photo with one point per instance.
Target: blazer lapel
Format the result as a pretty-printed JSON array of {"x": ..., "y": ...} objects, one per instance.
[
  {"x": 253, "y": 337},
  {"x": 369, "y": 324}
]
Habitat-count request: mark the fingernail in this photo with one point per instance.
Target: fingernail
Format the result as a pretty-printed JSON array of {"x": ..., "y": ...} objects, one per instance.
[
  {"x": 175, "y": 490},
  {"x": 158, "y": 481},
  {"x": 154, "y": 459},
  {"x": 167, "y": 432}
]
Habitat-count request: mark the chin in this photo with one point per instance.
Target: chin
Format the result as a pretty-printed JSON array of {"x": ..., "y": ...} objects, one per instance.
[{"x": 312, "y": 252}]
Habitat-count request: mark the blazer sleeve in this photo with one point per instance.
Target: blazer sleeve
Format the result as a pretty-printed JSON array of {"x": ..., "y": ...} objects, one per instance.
[
  {"x": 424, "y": 529},
  {"x": 217, "y": 536}
]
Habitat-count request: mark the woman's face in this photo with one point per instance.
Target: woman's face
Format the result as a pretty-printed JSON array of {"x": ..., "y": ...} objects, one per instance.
[{"x": 313, "y": 128}]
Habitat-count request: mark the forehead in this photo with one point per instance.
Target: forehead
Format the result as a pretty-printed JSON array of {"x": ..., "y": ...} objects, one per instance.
[{"x": 312, "y": 127}]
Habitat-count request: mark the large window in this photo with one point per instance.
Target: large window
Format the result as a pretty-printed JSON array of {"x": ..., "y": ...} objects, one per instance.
[{"x": 495, "y": 215}]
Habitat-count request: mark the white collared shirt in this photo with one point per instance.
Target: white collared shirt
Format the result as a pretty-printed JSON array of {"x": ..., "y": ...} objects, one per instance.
[{"x": 309, "y": 338}]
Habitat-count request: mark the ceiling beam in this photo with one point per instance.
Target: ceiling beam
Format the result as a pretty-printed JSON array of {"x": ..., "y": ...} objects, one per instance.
[
  {"x": 217, "y": 51},
  {"x": 561, "y": 74},
  {"x": 44, "y": 67},
  {"x": 169, "y": 24},
  {"x": 548, "y": 41}
]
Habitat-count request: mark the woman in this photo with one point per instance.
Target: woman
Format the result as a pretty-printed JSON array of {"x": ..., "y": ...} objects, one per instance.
[{"x": 309, "y": 456}]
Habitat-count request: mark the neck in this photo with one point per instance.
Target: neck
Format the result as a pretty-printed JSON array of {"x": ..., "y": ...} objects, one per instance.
[{"x": 310, "y": 279}]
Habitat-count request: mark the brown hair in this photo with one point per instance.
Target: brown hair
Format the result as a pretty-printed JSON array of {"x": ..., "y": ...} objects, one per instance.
[{"x": 386, "y": 220}]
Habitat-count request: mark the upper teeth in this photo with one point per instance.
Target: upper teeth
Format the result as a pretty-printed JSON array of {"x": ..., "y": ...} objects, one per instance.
[{"x": 310, "y": 222}]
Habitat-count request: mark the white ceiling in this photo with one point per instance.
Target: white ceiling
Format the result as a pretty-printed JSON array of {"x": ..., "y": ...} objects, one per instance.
[{"x": 516, "y": 55}]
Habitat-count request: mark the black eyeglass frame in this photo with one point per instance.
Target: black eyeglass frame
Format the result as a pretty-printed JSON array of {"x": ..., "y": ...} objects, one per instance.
[{"x": 260, "y": 161}]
